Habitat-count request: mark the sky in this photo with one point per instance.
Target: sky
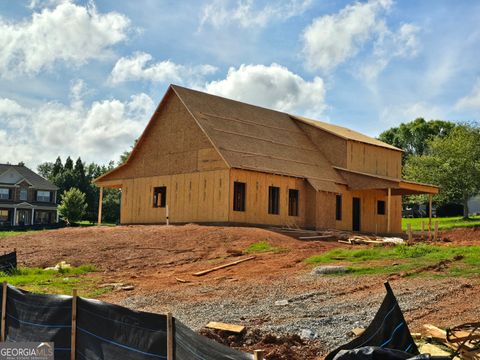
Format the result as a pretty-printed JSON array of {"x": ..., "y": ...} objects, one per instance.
[{"x": 82, "y": 78}]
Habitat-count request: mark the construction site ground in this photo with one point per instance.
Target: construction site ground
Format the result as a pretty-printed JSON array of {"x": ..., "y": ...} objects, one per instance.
[{"x": 158, "y": 263}]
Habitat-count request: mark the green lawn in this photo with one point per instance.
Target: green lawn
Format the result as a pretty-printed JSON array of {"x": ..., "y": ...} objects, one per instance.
[
  {"x": 443, "y": 223},
  {"x": 56, "y": 282},
  {"x": 4, "y": 234},
  {"x": 391, "y": 260},
  {"x": 263, "y": 246}
]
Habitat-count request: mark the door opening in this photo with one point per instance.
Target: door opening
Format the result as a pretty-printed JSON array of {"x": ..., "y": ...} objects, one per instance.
[{"x": 356, "y": 214}]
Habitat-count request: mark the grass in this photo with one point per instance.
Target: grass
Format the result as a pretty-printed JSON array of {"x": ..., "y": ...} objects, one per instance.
[
  {"x": 4, "y": 234},
  {"x": 401, "y": 258},
  {"x": 56, "y": 282},
  {"x": 443, "y": 223},
  {"x": 263, "y": 246}
]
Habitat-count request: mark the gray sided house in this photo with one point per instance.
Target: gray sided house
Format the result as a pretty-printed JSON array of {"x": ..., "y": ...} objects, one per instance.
[{"x": 26, "y": 198}]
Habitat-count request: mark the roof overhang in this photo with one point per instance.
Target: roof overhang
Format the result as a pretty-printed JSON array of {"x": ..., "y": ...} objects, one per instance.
[{"x": 362, "y": 181}]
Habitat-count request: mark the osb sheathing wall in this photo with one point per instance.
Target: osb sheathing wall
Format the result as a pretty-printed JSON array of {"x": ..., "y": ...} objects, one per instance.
[
  {"x": 370, "y": 221},
  {"x": 193, "y": 197},
  {"x": 256, "y": 207},
  {"x": 174, "y": 144},
  {"x": 374, "y": 159},
  {"x": 333, "y": 147}
]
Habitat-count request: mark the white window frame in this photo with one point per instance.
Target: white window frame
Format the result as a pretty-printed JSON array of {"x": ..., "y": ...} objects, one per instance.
[
  {"x": 23, "y": 192},
  {"x": 42, "y": 195},
  {"x": 4, "y": 195}
]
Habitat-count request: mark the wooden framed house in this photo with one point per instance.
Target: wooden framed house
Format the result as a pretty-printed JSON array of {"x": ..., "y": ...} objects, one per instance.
[
  {"x": 208, "y": 159},
  {"x": 26, "y": 198}
]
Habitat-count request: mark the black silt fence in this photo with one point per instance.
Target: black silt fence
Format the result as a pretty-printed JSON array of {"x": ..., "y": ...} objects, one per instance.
[
  {"x": 94, "y": 330},
  {"x": 8, "y": 262}
]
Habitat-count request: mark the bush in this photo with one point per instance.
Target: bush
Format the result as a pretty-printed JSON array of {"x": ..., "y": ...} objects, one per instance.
[{"x": 73, "y": 206}]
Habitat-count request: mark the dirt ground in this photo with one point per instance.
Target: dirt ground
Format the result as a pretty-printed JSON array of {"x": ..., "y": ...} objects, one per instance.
[{"x": 159, "y": 262}]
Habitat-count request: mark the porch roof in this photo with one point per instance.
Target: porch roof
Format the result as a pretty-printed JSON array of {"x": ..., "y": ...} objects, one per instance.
[{"x": 362, "y": 181}]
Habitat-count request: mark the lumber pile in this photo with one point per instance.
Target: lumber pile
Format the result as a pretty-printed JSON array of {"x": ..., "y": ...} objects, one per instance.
[
  {"x": 463, "y": 339},
  {"x": 364, "y": 239}
]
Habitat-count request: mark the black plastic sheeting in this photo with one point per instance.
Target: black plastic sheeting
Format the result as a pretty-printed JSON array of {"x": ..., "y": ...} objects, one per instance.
[
  {"x": 104, "y": 331},
  {"x": 387, "y": 330},
  {"x": 372, "y": 353},
  {"x": 8, "y": 262},
  {"x": 43, "y": 318},
  {"x": 189, "y": 345}
]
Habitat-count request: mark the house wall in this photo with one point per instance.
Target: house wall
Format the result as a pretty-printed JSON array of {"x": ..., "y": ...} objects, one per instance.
[
  {"x": 374, "y": 159},
  {"x": 333, "y": 147},
  {"x": 173, "y": 144},
  {"x": 191, "y": 197},
  {"x": 370, "y": 221},
  {"x": 256, "y": 208}
]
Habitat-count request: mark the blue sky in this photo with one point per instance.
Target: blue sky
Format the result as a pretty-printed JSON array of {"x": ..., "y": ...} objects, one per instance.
[{"x": 82, "y": 78}]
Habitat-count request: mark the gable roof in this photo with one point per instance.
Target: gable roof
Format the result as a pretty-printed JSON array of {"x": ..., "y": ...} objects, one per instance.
[
  {"x": 255, "y": 138},
  {"x": 31, "y": 177},
  {"x": 344, "y": 133}
]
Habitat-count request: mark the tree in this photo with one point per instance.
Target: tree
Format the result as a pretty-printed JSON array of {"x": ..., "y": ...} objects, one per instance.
[
  {"x": 453, "y": 163},
  {"x": 72, "y": 207},
  {"x": 57, "y": 167},
  {"x": 126, "y": 154},
  {"x": 45, "y": 169},
  {"x": 413, "y": 137},
  {"x": 68, "y": 164}
]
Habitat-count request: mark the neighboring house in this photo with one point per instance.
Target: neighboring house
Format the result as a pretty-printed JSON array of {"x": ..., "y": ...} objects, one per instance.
[
  {"x": 474, "y": 205},
  {"x": 207, "y": 159},
  {"x": 26, "y": 198}
]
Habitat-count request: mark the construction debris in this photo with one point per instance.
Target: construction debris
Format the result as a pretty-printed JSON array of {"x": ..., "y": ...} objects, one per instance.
[
  {"x": 62, "y": 265},
  {"x": 237, "y": 329},
  {"x": 364, "y": 239},
  {"x": 358, "y": 331},
  {"x": 464, "y": 339},
  {"x": 204, "y": 272},
  {"x": 281, "y": 302}
]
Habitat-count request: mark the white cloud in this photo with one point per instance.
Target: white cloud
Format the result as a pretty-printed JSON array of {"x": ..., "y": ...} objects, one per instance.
[
  {"x": 69, "y": 32},
  {"x": 98, "y": 132},
  {"x": 403, "y": 43},
  {"x": 472, "y": 100},
  {"x": 140, "y": 67},
  {"x": 220, "y": 13},
  {"x": 272, "y": 86},
  {"x": 331, "y": 39},
  {"x": 396, "y": 114}
]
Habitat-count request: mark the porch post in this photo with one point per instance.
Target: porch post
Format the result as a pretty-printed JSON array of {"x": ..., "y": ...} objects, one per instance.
[
  {"x": 100, "y": 201},
  {"x": 14, "y": 216},
  {"x": 429, "y": 217},
  {"x": 389, "y": 207},
  {"x": 33, "y": 216}
]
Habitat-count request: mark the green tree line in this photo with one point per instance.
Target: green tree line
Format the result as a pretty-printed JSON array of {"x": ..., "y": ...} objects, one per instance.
[
  {"x": 442, "y": 153},
  {"x": 80, "y": 176}
]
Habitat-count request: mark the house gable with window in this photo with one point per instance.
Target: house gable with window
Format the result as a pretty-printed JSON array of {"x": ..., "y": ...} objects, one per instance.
[
  {"x": 209, "y": 159},
  {"x": 25, "y": 197}
]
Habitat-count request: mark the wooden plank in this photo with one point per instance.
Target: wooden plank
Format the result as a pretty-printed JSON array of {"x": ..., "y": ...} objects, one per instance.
[
  {"x": 4, "y": 309},
  {"x": 433, "y": 350},
  {"x": 74, "y": 325},
  {"x": 170, "y": 336},
  {"x": 100, "y": 203},
  {"x": 258, "y": 355},
  {"x": 201, "y": 273},
  {"x": 435, "y": 332},
  {"x": 225, "y": 327}
]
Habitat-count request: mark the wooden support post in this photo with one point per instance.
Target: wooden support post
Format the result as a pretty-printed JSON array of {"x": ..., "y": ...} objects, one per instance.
[
  {"x": 389, "y": 207},
  {"x": 4, "y": 309},
  {"x": 74, "y": 325},
  {"x": 409, "y": 232},
  {"x": 166, "y": 215},
  {"x": 423, "y": 230},
  {"x": 435, "y": 236},
  {"x": 258, "y": 355},
  {"x": 100, "y": 203},
  {"x": 169, "y": 336},
  {"x": 429, "y": 217}
]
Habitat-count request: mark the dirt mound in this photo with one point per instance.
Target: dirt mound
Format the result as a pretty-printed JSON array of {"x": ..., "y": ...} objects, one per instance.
[
  {"x": 284, "y": 347},
  {"x": 462, "y": 236}
]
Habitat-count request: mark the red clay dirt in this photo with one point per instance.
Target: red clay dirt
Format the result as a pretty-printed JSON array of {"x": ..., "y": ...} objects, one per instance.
[{"x": 156, "y": 258}]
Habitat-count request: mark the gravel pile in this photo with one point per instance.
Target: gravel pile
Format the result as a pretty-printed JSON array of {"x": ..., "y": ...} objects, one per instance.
[{"x": 326, "y": 315}]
